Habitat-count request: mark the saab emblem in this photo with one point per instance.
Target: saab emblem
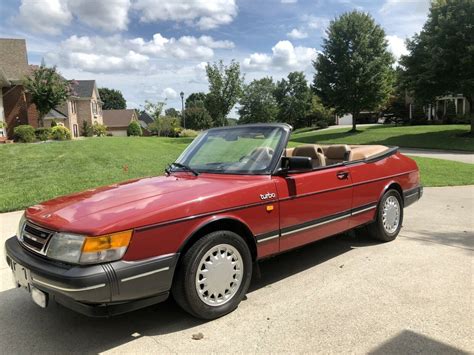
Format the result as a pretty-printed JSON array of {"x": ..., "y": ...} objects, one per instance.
[{"x": 267, "y": 196}]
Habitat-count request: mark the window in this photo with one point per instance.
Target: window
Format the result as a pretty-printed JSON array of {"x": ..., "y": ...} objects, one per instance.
[{"x": 242, "y": 150}]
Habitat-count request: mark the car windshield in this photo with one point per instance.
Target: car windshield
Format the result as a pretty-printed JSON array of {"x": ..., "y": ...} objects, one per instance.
[{"x": 239, "y": 150}]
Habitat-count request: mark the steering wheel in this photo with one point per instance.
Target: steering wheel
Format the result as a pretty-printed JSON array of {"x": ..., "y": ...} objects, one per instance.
[{"x": 257, "y": 154}]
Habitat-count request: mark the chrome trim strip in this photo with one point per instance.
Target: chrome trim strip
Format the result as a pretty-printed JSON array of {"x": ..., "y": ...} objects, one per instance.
[
  {"x": 69, "y": 289},
  {"x": 316, "y": 225},
  {"x": 268, "y": 238},
  {"x": 144, "y": 274},
  {"x": 363, "y": 210}
]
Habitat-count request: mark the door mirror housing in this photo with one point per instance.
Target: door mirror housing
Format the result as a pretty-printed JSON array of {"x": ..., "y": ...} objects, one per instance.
[{"x": 295, "y": 165}]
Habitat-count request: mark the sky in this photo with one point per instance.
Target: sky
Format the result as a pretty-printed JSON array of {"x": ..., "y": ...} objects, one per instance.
[{"x": 154, "y": 49}]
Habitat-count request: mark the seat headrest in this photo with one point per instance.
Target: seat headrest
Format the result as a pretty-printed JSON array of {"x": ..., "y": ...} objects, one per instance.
[
  {"x": 308, "y": 150},
  {"x": 339, "y": 151}
]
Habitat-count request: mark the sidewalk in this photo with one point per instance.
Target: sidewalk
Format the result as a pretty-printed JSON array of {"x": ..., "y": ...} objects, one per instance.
[{"x": 455, "y": 155}]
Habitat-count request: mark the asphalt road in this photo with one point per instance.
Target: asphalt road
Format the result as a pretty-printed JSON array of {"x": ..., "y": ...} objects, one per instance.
[{"x": 342, "y": 294}]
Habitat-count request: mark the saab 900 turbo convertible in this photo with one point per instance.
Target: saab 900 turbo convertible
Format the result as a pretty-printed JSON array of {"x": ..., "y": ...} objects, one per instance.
[{"x": 234, "y": 196}]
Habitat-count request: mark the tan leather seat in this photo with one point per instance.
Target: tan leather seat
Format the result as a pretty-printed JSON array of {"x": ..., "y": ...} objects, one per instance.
[
  {"x": 337, "y": 153},
  {"x": 289, "y": 152},
  {"x": 365, "y": 152},
  {"x": 315, "y": 152}
]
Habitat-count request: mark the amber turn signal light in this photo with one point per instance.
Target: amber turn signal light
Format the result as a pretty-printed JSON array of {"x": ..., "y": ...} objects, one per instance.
[{"x": 108, "y": 241}]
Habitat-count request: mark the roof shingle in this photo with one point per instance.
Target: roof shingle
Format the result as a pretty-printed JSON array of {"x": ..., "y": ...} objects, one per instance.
[
  {"x": 118, "y": 118},
  {"x": 13, "y": 59}
]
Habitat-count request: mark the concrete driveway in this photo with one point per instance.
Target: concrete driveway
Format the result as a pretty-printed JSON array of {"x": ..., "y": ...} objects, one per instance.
[{"x": 342, "y": 294}]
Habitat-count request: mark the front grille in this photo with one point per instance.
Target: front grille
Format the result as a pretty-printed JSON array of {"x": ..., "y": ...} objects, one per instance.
[{"x": 35, "y": 238}]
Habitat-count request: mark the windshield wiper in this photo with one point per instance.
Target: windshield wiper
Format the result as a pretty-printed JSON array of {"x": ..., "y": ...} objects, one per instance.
[{"x": 184, "y": 167}]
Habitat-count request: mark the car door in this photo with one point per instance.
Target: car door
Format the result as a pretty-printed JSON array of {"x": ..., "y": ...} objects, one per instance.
[{"x": 313, "y": 205}]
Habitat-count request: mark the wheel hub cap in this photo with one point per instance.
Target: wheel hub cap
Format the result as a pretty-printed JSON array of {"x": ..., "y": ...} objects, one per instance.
[
  {"x": 391, "y": 214},
  {"x": 219, "y": 275}
]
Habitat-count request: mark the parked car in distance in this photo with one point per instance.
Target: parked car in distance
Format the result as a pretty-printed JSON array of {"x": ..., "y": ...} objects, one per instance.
[{"x": 236, "y": 195}]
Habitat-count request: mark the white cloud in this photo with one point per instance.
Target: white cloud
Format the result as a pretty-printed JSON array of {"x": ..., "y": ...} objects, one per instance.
[
  {"x": 169, "y": 94},
  {"x": 183, "y": 47},
  {"x": 47, "y": 16},
  {"x": 50, "y": 16},
  {"x": 297, "y": 34},
  {"x": 284, "y": 56},
  {"x": 409, "y": 6},
  {"x": 316, "y": 22},
  {"x": 397, "y": 46},
  {"x": 205, "y": 14},
  {"x": 110, "y": 15},
  {"x": 289, "y": 1},
  {"x": 115, "y": 53}
]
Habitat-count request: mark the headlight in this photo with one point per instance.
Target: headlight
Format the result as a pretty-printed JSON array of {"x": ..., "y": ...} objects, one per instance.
[
  {"x": 21, "y": 226},
  {"x": 79, "y": 249}
]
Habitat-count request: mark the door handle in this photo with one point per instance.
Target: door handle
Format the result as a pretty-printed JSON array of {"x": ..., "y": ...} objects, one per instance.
[{"x": 342, "y": 175}]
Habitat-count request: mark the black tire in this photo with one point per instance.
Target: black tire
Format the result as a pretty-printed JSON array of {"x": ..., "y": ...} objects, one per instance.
[
  {"x": 184, "y": 284},
  {"x": 376, "y": 229}
]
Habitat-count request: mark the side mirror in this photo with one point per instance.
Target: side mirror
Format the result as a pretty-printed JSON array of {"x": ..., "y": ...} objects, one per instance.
[{"x": 295, "y": 164}]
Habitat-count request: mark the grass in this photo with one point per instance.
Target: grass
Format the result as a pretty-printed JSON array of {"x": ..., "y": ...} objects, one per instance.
[
  {"x": 32, "y": 173},
  {"x": 429, "y": 136},
  {"x": 438, "y": 172}
]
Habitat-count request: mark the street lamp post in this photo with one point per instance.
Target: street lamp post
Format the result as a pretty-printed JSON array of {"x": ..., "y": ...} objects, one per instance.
[{"x": 182, "y": 109}]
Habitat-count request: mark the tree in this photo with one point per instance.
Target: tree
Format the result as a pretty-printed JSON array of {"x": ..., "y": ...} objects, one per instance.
[
  {"x": 172, "y": 112},
  {"x": 225, "y": 88},
  {"x": 48, "y": 89},
  {"x": 112, "y": 99},
  {"x": 293, "y": 97},
  {"x": 154, "y": 109},
  {"x": 197, "y": 118},
  {"x": 353, "y": 73},
  {"x": 258, "y": 104},
  {"x": 196, "y": 98},
  {"x": 441, "y": 56},
  {"x": 319, "y": 114},
  {"x": 166, "y": 126}
]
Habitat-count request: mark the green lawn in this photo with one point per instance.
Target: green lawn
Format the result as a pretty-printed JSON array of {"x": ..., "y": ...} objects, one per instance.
[
  {"x": 32, "y": 173},
  {"x": 433, "y": 136},
  {"x": 438, "y": 172}
]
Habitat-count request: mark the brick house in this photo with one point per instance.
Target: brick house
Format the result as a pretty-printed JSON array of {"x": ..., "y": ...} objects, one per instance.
[
  {"x": 16, "y": 107},
  {"x": 117, "y": 121}
]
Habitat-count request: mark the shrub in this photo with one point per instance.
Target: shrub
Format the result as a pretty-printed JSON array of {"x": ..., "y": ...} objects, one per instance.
[
  {"x": 43, "y": 133},
  {"x": 134, "y": 129},
  {"x": 87, "y": 130},
  {"x": 188, "y": 133},
  {"x": 24, "y": 133},
  {"x": 99, "y": 130},
  {"x": 166, "y": 126},
  {"x": 322, "y": 124},
  {"x": 60, "y": 133},
  {"x": 53, "y": 123}
]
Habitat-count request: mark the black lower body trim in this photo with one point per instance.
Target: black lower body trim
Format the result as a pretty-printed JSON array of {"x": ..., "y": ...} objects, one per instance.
[
  {"x": 315, "y": 223},
  {"x": 411, "y": 196},
  {"x": 95, "y": 290}
]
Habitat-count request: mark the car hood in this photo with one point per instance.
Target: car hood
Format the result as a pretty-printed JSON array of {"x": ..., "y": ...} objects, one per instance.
[{"x": 141, "y": 202}]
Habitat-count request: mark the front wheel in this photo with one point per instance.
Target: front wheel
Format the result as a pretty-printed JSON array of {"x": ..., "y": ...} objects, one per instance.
[
  {"x": 214, "y": 275},
  {"x": 389, "y": 217}
]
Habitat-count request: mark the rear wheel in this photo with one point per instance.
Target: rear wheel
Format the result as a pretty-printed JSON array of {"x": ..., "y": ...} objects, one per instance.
[
  {"x": 214, "y": 275},
  {"x": 389, "y": 217}
]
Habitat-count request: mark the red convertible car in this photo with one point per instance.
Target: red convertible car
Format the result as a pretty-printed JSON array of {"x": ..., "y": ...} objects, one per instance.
[{"x": 234, "y": 196}]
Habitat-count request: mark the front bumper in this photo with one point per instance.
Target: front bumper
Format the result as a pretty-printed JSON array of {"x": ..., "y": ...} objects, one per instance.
[
  {"x": 412, "y": 195},
  {"x": 97, "y": 290}
]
